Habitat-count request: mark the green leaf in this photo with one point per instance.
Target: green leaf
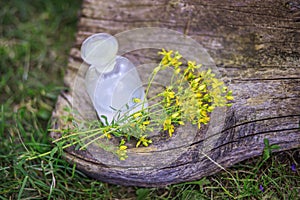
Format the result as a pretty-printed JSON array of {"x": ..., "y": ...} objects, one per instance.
[
  {"x": 105, "y": 119},
  {"x": 266, "y": 154},
  {"x": 142, "y": 193},
  {"x": 22, "y": 187},
  {"x": 266, "y": 142},
  {"x": 275, "y": 147},
  {"x": 268, "y": 149}
]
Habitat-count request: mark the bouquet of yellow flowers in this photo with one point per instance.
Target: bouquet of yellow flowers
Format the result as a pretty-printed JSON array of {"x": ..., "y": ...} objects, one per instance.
[{"x": 191, "y": 95}]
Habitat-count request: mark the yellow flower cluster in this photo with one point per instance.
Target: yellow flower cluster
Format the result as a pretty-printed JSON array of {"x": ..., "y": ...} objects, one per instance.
[
  {"x": 144, "y": 141},
  {"x": 170, "y": 59},
  {"x": 193, "y": 93},
  {"x": 122, "y": 151},
  {"x": 169, "y": 95}
]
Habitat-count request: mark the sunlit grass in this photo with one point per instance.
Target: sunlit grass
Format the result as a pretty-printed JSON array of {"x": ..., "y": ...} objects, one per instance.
[{"x": 35, "y": 40}]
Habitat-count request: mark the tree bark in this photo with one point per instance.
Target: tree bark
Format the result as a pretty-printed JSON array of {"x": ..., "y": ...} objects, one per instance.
[{"x": 255, "y": 45}]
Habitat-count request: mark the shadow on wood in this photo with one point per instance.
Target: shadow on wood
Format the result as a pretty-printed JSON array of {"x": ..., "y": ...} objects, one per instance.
[{"x": 256, "y": 48}]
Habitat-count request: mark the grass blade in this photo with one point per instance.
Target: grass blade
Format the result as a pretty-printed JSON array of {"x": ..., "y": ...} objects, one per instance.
[{"x": 22, "y": 187}]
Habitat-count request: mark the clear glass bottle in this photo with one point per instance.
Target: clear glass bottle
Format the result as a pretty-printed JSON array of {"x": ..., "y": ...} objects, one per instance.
[{"x": 112, "y": 81}]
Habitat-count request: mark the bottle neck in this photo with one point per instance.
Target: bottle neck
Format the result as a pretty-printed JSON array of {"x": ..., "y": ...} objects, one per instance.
[{"x": 106, "y": 67}]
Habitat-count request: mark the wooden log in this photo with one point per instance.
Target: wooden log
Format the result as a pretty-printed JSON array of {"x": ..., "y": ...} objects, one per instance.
[{"x": 256, "y": 48}]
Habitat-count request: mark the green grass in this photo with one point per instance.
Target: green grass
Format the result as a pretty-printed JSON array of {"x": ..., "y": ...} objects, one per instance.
[{"x": 36, "y": 37}]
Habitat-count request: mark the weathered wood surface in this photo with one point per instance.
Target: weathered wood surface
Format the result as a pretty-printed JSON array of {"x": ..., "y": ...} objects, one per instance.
[{"x": 256, "y": 47}]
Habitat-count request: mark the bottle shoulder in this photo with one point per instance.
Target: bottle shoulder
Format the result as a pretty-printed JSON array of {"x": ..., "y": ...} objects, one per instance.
[{"x": 122, "y": 66}]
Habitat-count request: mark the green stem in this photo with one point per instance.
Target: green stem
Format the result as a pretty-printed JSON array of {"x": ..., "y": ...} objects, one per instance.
[
  {"x": 153, "y": 74},
  {"x": 97, "y": 138},
  {"x": 76, "y": 133},
  {"x": 49, "y": 152}
]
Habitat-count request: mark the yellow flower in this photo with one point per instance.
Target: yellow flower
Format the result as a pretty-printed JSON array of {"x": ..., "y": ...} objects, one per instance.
[
  {"x": 181, "y": 122},
  {"x": 142, "y": 127},
  {"x": 177, "y": 55},
  {"x": 136, "y": 100},
  {"x": 167, "y": 123},
  {"x": 202, "y": 87},
  {"x": 178, "y": 102},
  {"x": 229, "y": 98},
  {"x": 138, "y": 114},
  {"x": 203, "y": 120},
  {"x": 191, "y": 67},
  {"x": 198, "y": 95},
  {"x": 105, "y": 130},
  {"x": 210, "y": 108},
  {"x": 188, "y": 75},
  {"x": 199, "y": 125},
  {"x": 177, "y": 71},
  {"x": 171, "y": 130},
  {"x": 194, "y": 84},
  {"x": 175, "y": 115},
  {"x": 122, "y": 152},
  {"x": 167, "y": 57},
  {"x": 168, "y": 94},
  {"x": 146, "y": 122},
  {"x": 168, "y": 126},
  {"x": 175, "y": 63},
  {"x": 123, "y": 147},
  {"x": 203, "y": 113},
  {"x": 144, "y": 141},
  {"x": 108, "y": 135}
]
